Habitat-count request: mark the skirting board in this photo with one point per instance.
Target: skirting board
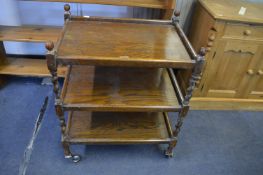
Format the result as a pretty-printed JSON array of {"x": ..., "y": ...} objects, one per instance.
[{"x": 226, "y": 104}]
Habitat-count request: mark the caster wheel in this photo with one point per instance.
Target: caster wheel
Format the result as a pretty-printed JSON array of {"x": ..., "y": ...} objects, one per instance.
[
  {"x": 75, "y": 158},
  {"x": 169, "y": 154}
]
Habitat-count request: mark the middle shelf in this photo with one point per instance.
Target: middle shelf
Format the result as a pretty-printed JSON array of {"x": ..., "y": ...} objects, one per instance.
[{"x": 118, "y": 89}]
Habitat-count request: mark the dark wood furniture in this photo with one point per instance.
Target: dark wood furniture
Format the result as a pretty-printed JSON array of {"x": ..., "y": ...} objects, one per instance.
[
  {"x": 19, "y": 65},
  {"x": 166, "y": 6},
  {"x": 233, "y": 76},
  {"x": 120, "y": 83},
  {"x": 23, "y": 65}
]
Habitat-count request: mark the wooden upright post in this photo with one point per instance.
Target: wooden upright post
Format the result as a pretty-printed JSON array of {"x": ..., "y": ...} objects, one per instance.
[
  {"x": 2, "y": 61},
  {"x": 2, "y": 52},
  {"x": 168, "y": 12}
]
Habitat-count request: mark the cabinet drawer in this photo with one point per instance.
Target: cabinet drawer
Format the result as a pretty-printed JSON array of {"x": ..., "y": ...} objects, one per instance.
[{"x": 243, "y": 31}]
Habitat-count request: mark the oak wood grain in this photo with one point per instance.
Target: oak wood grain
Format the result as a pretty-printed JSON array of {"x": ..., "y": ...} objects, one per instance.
[
  {"x": 119, "y": 89},
  {"x": 160, "y": 4},
  {"x": 122, "y": 44},
  {"x": 27, "y": 67},
  {"x": 206, "y": 103},
  {"x": 243, "y": 31},
  {"x": 229, "y": 10},
  {"x": 117, "y": 128},
  {"x": 29, "y": 33},
  {"x": 230, "y": 78}
]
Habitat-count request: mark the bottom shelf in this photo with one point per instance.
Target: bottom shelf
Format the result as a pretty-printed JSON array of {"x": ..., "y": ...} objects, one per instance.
[
  {"x": 117, "y": 128},
  {"x": 28, "y": 67}
]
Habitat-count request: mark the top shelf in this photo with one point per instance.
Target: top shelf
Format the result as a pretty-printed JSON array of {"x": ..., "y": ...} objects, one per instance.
[
  {"x": 120, "y": 42},
  {"x": 159, "y": 4}
]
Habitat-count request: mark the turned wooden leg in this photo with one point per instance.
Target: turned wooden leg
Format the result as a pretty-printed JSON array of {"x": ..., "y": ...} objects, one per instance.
[
  {"x": 66, "y": 145},
  {"x": 179, "y": 123},
  {"x": 2, "y": 81},
  {"x": 68, "y": 155},
  {"x": 2, "y": 61},
  {"x": 67, "y": 151},
  {"x": 169, "y": 151},
  {"x": 60, "y": 115},
  {"x": 52, "y": 66}
]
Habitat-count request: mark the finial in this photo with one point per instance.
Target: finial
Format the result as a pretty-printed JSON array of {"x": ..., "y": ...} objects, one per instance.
[
  {"x": 67, "y": 7},
  {"x": 49, "y": 45},
  {"x": 176, "y": 16},
  {"x": 67, "y": 12},
  {"x": 177, "y": 13}
]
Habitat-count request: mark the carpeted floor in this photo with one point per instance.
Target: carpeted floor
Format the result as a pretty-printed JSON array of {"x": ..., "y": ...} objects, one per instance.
[{"x": 210, "y": 143}]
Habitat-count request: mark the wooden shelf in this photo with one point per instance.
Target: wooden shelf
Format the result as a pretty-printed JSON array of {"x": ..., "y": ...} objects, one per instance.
[
  {"x": 122, "y": 43},
  {"x": 88, "y": 127},
  {"x": 119, "y": 89},
  {"x": 160, "y": 4},
  {"x": 29, "y": 33},
  {"x": 27, "y": 67}
]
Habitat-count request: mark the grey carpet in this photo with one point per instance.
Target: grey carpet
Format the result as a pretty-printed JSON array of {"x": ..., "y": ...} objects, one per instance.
[{"x": 210, "y": 143}]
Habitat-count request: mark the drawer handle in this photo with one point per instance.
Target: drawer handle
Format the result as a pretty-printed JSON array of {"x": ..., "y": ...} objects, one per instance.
[
  {"x": 212, "y": 37},
  {"x": 208, "y": 49},
  {"x": 247, "y": 32},
  {"x": 250, "y": 72},
  {"x": 210, "y": 44},
  {"x": 260, "y": 72}
]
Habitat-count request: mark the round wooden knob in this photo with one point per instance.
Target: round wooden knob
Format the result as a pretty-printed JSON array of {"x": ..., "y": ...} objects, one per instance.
[
  {"x": 260, "y": 72},
  {"x": 210, "y": 44},
  {"x": 250, "y": 72},
  {"x": 247, "y": 32},
  {"x": 212, "y": 37},
  {"x": 177, "y": 13},
  {"x": 208, "y": 49},
  {"x": 67, "y": 7},
  {"x": 49, "y": 45}
]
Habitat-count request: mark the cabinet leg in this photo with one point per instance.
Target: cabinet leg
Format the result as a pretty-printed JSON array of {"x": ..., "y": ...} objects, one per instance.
[
  {"x": 2, "y": 81},
  {"x": 68, "y": 155},
  {"x": 172, "y": 145},
  {"x": 66, "y": 148},
  {"x": 52, "y": 66},
  {"x": 169, "y": 151},
  {"x": 180, "y": 119}
]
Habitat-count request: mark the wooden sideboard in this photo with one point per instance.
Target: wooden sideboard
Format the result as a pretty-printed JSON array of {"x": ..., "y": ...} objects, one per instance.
[{"x": 233, "y": 76}]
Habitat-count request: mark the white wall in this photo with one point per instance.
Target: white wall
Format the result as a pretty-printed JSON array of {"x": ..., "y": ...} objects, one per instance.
[{"x": 10, "y": 16}]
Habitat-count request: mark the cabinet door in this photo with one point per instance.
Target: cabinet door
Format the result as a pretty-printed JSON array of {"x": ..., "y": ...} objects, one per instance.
[
  {"x": 256, "y": 88},
  {"x": 229, "y": 71}
]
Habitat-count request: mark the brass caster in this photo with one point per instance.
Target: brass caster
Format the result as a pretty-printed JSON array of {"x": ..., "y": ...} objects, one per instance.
[{"x": 169, "y": 154}]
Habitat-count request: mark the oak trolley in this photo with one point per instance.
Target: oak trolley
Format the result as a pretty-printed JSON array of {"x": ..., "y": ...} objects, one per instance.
[{"x": 120, "y": 82}]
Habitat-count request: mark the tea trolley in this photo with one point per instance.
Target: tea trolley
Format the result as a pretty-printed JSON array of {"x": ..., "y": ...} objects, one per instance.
[{"x": 120, "y": 82}]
